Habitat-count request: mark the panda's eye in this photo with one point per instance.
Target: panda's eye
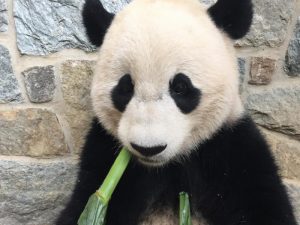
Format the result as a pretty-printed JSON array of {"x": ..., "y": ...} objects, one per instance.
[
  {"x": 123, "y": 92},
  {"x": 185, "y": 95},
  {"x": 180, "y": 84},
  {"x": 179, "y": 87},
  {"x": 125, "y": 85}
]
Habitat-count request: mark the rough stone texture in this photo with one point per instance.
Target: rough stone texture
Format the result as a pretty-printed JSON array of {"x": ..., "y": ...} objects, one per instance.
[
  {"x": 262, "y": 70},
  {"x": 242, "y": 71},
  {"x": 76, "y": 79},
  {"x": 48, "y": 26},
  {"x": 3, "y": 16},
  {"x": 114, "y": 6},
  {"x": 33, "y": 192},
  {"x": 242, "y": 66},
  {"x": 208, "y": 2},
  {"x": 293, "y": 189},
  {"x": 292, "y": 58},
  {"x": 287, "y": 153},
  {"x": 31, "y": 132},
  {"x": 276, "y": 108},
  {"x": 40, "y": 83},
  {"x": 9, "y": 88},
  {"x": 270, "y": 23}
]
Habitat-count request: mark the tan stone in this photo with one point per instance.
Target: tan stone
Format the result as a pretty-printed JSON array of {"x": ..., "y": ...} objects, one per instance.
[
  {"x": 262, "y": 70},
  {"x": 31, "y": 132},
  {"x": 286, "y": 152},
  {"x": 76, "y": 80},
  {"x": 293, "y": 188},
  {"x": 275, "y": 107}
]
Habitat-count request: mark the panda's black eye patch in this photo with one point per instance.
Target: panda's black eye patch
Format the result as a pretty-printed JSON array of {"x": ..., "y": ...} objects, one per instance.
[
  {"x": 185, "y": 95},
  {"x": 122, "y": 92},
  {"x": 179, "y": 88}
]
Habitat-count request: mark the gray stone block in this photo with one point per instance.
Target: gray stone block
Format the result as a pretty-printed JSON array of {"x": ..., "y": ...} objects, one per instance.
[
  {"x": 270, "y": 23},
  {"x": 33, "y": 192},
  {"x": 276, "y": 108},
  {"x": 31, "y": 132},
  {"x": 292, "y": 58},
  {"x": 3, "y": 16},
  {"x": 40, "y": 83},
  {"x": 48, "y": 26},
  {"x": 9, "y": 88},
  {"x": 242, "y": 72},
  {"x": 114, "y": 6},
  {"x": 242, "y": 66},
  {"x": 44, "y": 27}
]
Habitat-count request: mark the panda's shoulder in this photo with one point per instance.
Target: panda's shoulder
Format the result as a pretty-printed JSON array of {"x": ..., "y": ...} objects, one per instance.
[
  {"x": 100, "y": 147},
  {"x": 240, "y": 132},
  {"x": 240, "y": 145}
]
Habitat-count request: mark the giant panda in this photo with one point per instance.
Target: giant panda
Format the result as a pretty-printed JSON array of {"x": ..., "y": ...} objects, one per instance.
[{"x": 166, "y": 86}]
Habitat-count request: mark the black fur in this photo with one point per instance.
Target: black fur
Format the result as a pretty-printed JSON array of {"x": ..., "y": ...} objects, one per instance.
[
  {"x": 232, "y": 180},
  {"x": 96, "y": 21},
  {"x": 185, "y": 95},
  {"x": 233, "y": 16},
  {"x": 122, "y": 93}
]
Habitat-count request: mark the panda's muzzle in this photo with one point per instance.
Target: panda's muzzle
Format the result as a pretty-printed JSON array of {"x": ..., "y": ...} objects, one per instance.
[{"x": 148, "y": 151}]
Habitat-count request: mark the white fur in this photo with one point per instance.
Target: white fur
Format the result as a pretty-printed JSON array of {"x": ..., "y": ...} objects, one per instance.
[
  {"x": 153, "y": 40},
  {"x": 153, "y": 123},
  {"x": 166, "y": 216}
]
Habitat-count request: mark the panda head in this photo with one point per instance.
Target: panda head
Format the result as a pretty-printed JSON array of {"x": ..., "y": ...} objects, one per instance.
[{"x": 166, "y": 78}]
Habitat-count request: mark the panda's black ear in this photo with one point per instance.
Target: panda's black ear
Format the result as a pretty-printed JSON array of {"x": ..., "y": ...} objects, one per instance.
[
  {"x": 96, "y": 21},
  {"x": 232, "y": 16}
]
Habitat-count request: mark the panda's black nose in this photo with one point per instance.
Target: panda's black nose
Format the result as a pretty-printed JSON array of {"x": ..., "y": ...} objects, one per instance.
[{"x": 148, "y": 151}]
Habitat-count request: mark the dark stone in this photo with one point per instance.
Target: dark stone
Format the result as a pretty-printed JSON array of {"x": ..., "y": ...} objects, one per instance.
[
  {"x": 40, "y": 83},
  {"x": 292, "y": 58},
  {"x": 242, "y": 72}
]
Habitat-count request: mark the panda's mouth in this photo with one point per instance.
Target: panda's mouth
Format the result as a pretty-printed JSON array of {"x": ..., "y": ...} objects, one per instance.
[
  {"x": 150, "y": 161},
  {"x": 148, "y": 156}
]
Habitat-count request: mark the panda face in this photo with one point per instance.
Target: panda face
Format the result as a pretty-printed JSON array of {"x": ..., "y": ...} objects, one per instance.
[{"x": 166, "y": 79}]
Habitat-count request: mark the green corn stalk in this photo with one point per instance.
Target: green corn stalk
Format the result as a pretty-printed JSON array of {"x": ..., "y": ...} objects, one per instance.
[
  {"x": 95, "y": 210},
  {"x": 184, "y": 209}
]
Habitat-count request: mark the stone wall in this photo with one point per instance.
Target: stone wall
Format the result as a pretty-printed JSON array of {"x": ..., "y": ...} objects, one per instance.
[{"x": 45, "y": 70}]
